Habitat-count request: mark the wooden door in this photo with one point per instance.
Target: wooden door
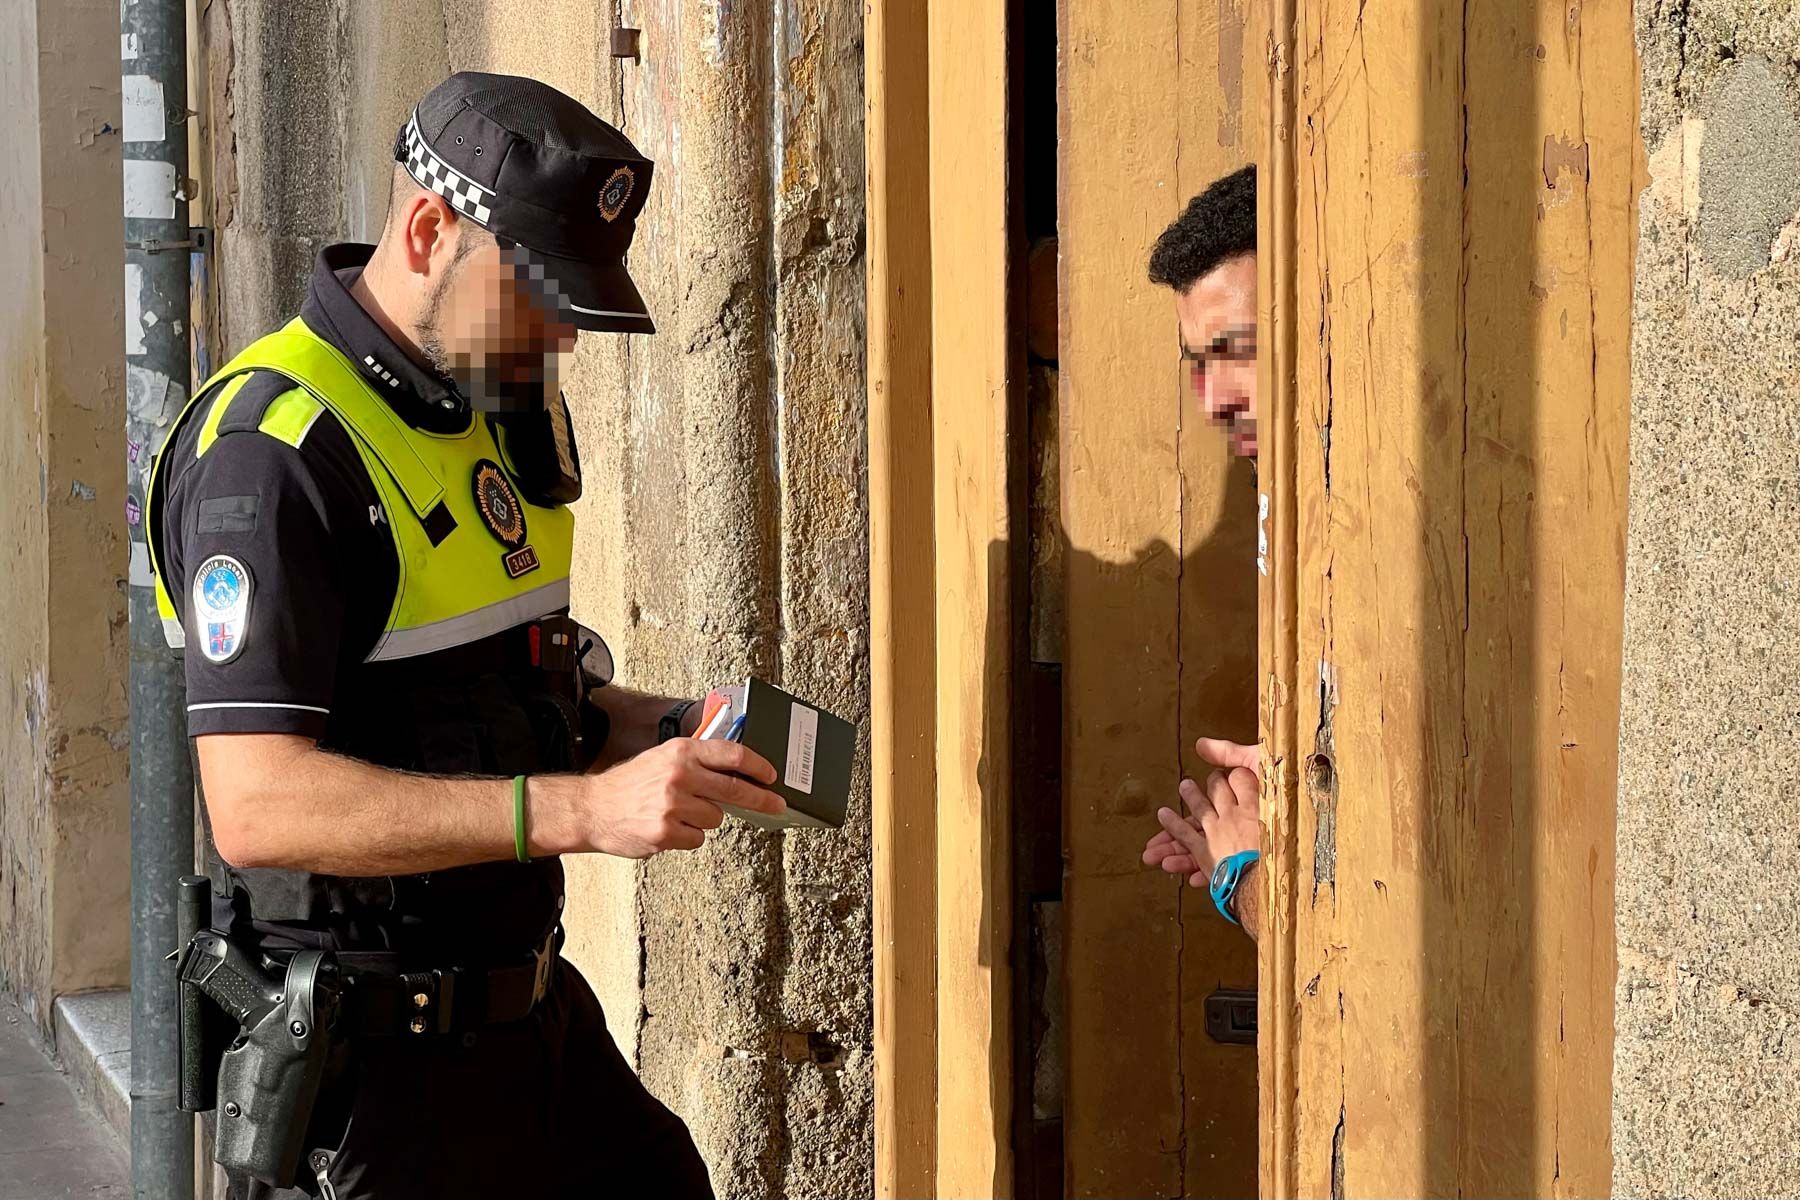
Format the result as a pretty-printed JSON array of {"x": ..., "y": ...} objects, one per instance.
[{"x": 1160, "y": 640}]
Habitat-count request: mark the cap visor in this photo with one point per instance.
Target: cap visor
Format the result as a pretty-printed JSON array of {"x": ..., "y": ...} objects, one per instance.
[{"x": 596, "y": 297}]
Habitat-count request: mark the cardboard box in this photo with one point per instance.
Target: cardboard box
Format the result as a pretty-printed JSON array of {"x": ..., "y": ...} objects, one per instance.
[{"x": 813, "y": 752}]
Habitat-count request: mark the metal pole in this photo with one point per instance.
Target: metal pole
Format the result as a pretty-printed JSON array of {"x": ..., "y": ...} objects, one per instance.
[{"x": 153, "y": 54}]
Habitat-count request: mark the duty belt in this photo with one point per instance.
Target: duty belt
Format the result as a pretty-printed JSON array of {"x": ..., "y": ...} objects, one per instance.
[{"x": 380, "y": 1000}]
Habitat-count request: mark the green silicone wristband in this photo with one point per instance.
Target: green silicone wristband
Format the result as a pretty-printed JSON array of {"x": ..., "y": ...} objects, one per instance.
[{"x": 519, "y": 818}]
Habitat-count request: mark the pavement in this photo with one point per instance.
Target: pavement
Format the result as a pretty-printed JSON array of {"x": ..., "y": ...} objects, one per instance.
[{"x": 52, "y": 1146}]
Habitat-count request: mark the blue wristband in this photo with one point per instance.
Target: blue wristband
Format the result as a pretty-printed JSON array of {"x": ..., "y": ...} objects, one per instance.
[{"x": 1226, "y": 877}]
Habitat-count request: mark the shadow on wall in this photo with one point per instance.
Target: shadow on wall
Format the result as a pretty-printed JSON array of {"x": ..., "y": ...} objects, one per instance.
[
  {"x": 1212, "y": 684},
  {"x": 1480, "y": 808}
]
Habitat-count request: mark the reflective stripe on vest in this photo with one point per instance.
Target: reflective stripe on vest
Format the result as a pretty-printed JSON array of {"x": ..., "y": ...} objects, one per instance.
[{"x": 451, "y": 594}]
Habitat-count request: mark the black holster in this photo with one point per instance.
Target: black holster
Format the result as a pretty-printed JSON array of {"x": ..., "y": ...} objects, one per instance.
[{"x": 255, "y": 1044}]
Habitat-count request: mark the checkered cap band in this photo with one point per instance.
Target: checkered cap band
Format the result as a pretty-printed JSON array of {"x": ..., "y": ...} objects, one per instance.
[{"x": 463, "y": 194}]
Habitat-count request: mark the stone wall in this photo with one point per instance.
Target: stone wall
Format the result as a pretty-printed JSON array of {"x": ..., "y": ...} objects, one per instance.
[
  {"x": 723, "y": 528},
  {"x": 1707, "y": 1072},
  {"x": 64, "y": 883}
]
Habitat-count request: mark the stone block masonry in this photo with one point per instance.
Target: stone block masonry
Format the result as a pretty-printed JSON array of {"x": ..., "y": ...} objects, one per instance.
[{"x": 1707, "y": 1067}]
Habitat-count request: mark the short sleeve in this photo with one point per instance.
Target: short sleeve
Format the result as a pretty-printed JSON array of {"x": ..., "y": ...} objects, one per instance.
[{"x": 256, "y": 579}]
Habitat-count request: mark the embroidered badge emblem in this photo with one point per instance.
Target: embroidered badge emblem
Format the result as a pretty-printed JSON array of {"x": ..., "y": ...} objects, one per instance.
[
  {"x": 504, "y": 515},
  {"x": 617, "y": 193},
  {"x": 500, "y": 509},
  {"x": 222, "y": 607}
]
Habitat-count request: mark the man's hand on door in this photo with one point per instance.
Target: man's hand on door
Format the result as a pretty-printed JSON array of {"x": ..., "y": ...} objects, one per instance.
[{"x": 1222, "y": 816}]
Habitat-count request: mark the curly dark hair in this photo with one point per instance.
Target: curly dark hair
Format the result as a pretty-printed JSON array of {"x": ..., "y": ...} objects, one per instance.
[{"x": 1217, "y": 225}]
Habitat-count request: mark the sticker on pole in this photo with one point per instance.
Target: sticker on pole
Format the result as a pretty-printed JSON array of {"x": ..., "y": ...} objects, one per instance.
[
  {"x": 145, "y": 119},
  {"x": 221, "y": 607}
]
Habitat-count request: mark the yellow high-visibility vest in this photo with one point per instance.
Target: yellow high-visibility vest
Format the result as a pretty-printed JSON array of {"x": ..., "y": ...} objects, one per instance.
[{"x": 468, "y": 585}]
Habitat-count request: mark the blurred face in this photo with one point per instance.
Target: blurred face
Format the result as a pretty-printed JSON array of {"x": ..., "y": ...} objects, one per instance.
[
  {"x": 1217, "y": 316},
  {"x": 493, "y": 328}
]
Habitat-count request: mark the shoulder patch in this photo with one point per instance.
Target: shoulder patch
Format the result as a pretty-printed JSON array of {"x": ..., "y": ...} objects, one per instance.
[
  {"x": 262, "y": 402},
  {"x": 252, "y": 401},
  {"x": 290, "y": 417},
  {"x": 222, "y": 588}
]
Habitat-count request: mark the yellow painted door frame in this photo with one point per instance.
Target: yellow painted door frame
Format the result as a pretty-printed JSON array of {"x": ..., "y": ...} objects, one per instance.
[
  {"x": 943, "y": 487},
  {"x": 1448, "y": 225}
]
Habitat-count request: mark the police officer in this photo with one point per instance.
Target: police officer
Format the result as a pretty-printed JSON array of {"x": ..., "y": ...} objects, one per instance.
[{"x": 361, "y": 533}]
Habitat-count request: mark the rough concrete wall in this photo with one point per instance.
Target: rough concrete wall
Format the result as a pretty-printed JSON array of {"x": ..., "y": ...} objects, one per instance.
[
  {"x": 1707, "y": 1072},
  {"x": 63, "y": 878},
  {"x": 723, "y": 527},
  {"x": 86, "y": 728},
  {"x": 24, "y": 886}
]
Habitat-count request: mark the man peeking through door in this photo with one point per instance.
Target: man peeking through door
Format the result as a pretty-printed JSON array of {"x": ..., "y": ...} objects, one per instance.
[{"x": 1208, "y": 258}]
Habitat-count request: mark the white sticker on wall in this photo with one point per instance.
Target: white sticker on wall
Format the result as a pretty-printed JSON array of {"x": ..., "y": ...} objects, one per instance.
[
  {"x": 144, "y": 113},
  {"x": 128, "y": 46},
  {"x": 134, "y": 309},
  {"x": 138, "y": 572},
  {"x": 149, "y": 190},
  {"x": 803, "y": 741}
]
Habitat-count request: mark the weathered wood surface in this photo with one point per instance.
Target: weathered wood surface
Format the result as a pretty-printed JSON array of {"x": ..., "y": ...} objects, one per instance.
[{"x": 1452, "y": 206}]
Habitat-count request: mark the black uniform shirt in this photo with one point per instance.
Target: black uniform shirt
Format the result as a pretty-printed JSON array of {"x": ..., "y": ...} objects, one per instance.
[{"x": 305, "y": 522}]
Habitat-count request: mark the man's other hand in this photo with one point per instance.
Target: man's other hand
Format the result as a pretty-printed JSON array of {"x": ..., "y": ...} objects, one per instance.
[{"x": 1222, "y": 816}]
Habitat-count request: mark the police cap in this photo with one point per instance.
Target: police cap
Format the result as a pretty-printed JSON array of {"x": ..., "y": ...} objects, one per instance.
[{"x": 554, "y": 183}]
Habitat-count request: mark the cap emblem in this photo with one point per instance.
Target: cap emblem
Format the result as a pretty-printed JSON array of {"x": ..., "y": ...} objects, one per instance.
[{"x": 617, "y": 193}]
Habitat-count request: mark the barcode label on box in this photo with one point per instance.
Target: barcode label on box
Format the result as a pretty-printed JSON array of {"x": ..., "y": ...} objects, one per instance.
[{"x": 803, "y": 742}]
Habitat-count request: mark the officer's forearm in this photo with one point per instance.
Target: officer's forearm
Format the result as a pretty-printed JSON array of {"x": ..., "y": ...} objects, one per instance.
[
  {"x": 279, "y": 801},
  {"x": 634, "y": 717}
]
